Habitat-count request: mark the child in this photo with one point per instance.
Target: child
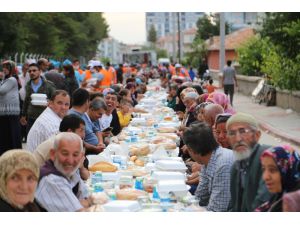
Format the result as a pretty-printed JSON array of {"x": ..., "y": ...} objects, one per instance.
[
  {"x": 210, "y": 87},
  {"x": 124, "y": 112}
]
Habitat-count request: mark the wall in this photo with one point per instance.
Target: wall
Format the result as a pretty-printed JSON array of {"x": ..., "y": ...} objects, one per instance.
[
  {"x": 288, "y": 100},
  {"x": 284, "y": 98},
  {"x": 213, "y": 58}
]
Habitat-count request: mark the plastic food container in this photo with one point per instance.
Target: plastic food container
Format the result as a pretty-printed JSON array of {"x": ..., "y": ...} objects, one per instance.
[
  {"x": 170, "y": 165},
  {"x": 122, "y": 206},
  {"x": 178, "y": 187},
  {"x": 162, "y": 175},
  {"x": 126, "y": 182}
]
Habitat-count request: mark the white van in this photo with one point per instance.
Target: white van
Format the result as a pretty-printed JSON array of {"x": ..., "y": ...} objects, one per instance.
[{"x": 164, "y": 60}]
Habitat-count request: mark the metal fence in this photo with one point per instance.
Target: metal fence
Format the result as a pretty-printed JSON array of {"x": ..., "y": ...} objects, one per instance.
[{"x": 20, "y": 58}]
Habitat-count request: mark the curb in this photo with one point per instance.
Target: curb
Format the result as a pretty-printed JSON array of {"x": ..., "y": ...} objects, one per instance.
[{"x": 280, "y": 134}]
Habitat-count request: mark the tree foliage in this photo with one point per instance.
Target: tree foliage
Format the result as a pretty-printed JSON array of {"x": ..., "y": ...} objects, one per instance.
[
  {"x": 276, "y": 51},
  {"x": 251, "y": 55},
  {"x": 152, "y": 35},
  {"x": 58, "y": 34},
  {"x": 199, "y": 52},
  {"x": 206, "y": 28},
  {"x": 283, "y": 29}
]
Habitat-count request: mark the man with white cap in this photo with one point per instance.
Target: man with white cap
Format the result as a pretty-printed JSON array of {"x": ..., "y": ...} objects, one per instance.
[
  {"x": 248, "y": 190},
  {"x": 93, "y": 79},
  {"x": 181, "y": 72}
]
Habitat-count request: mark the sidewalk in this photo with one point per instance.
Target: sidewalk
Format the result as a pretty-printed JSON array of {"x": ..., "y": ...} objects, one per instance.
[{"x": 276, "y": 121}]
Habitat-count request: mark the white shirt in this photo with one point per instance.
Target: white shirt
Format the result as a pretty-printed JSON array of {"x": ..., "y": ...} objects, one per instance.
[
  {"x": 105, "y": 121},
  {"x": 55, "y": 193},
  {"x": 46, "y": 125},
  {"x": 42, "y": 152}
]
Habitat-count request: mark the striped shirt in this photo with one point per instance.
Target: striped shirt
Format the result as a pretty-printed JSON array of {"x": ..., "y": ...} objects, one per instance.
[
  {"x": 213, "y": 190},
  {"x": 55, "y": 193},
  {"x": 46, "y": 125}
]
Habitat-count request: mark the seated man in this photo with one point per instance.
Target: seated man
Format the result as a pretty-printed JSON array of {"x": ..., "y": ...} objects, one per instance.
[
  {"x": 60, "y": 188},
  {"x": 93, "y": 135},
  {"x": 248, "y": 190},
  {"x": 47, "y": 123},
  {"x": 213, "y": 190},
  {"x": 70, "y": 123}
]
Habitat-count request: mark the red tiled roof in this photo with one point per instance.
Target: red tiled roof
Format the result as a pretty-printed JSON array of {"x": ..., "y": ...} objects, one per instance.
[{"x": 232, "y": 41}]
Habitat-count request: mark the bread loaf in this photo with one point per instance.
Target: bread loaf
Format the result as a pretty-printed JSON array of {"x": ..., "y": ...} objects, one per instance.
[
  {"x": 166, "y": 130},
  {"x": 139, "y": 162},
  {"x": 141, "y": 150},
  {"x": 103, "y": 167},
  {"x": 129, "y": 194}
]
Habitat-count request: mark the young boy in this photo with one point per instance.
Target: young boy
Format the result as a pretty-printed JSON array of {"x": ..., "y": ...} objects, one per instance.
[{"x": 210, "y": 87}]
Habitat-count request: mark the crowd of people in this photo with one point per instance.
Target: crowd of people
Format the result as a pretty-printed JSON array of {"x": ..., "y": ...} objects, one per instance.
[{"x": 228, "y": 168}]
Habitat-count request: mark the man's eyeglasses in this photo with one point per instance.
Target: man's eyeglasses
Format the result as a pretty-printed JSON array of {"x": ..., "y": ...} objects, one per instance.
[{"x": 241, "y": 131}]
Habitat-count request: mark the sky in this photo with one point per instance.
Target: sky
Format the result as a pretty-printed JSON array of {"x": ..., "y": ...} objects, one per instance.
[{"x": 129, "y": 28}]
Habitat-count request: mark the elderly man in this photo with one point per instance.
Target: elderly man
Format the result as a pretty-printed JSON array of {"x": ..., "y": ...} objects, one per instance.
[
  {"x": 60, "y": 188},
  {"x": 47, "y": 124},
  {"x": 70, "y": 123},
  {"x": 213, "y": 190},
  {"x": 210, "y": 113},
  {"x": 248, "y": 190}
]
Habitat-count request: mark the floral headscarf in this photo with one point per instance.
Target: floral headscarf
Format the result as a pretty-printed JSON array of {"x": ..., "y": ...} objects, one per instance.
[
  {"x": 12, "y": 161},
  {"x": 222, "y": 100},
  {"x": 288, "y": 163}
]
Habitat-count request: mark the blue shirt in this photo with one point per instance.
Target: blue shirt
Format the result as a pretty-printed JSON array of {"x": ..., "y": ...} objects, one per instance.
[
  {"x": 35, "y": 87},
  {"x": 90, "y": 131},
  {"x": 213, "y": 190}
]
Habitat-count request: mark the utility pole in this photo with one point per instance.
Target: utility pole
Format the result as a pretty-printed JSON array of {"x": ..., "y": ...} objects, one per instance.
[
  {"x": 222, "y": 42},
  {"x": 179, "y": 37},
  {"x": 174, "y": 36}
]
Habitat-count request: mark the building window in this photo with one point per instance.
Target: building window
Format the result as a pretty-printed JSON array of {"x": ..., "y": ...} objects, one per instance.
[{"x": 150, "y": 14}]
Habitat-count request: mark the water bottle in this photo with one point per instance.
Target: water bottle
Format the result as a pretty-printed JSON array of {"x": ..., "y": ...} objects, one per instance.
[
  {"x": 139, "y": 183},
  {"x": 96, "y": 177}
]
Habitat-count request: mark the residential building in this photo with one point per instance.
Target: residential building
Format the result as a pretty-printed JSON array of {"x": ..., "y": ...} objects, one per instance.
[
  {"x": 165, "y": 23},
  {"x": 232, "y": 42},
  {"x": 112, "y": 49},
  {"x": 187, "y": 40},
  {"x": 238, "y": 20}
]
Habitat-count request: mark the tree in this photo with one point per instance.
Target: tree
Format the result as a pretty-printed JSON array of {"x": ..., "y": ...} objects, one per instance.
[
  {"x": 206, "y": 28},
  {"x": 57, "y": 34},
  {"x": 199, "y": 52},
  {"x": 283, "y": 29},
  {"x": 251, "y": 55},
  {"x": 152, "y": 36}
]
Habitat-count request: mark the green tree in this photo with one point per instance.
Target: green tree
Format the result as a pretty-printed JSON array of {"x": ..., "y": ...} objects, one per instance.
[
  {"x": 251, "y": 55},
  {"x": 199, "y": 52},
  {"x": 283, "y": 29},
  {"x": 152, "y": 36},
  {"x": 208, "y": 26},
  {"x": 57, "y": 34}
]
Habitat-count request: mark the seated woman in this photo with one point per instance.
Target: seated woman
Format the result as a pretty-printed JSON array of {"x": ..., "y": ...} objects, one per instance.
[
  {"x": 19, "y": 174},
  {"x": 220, "y": 130},
  {"x": 221, "y": 99},
  {"x": 280, "y": 166},
  {"x": 124, "y": 113}
]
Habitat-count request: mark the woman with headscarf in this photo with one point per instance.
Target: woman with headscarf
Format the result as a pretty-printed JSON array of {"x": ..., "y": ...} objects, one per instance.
[
  {"x": 222, "y": 100},
  {"x": 10, "y": 128},
  {"x": 19, "y": 174},
  {"x": 280, "y": 166}
]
